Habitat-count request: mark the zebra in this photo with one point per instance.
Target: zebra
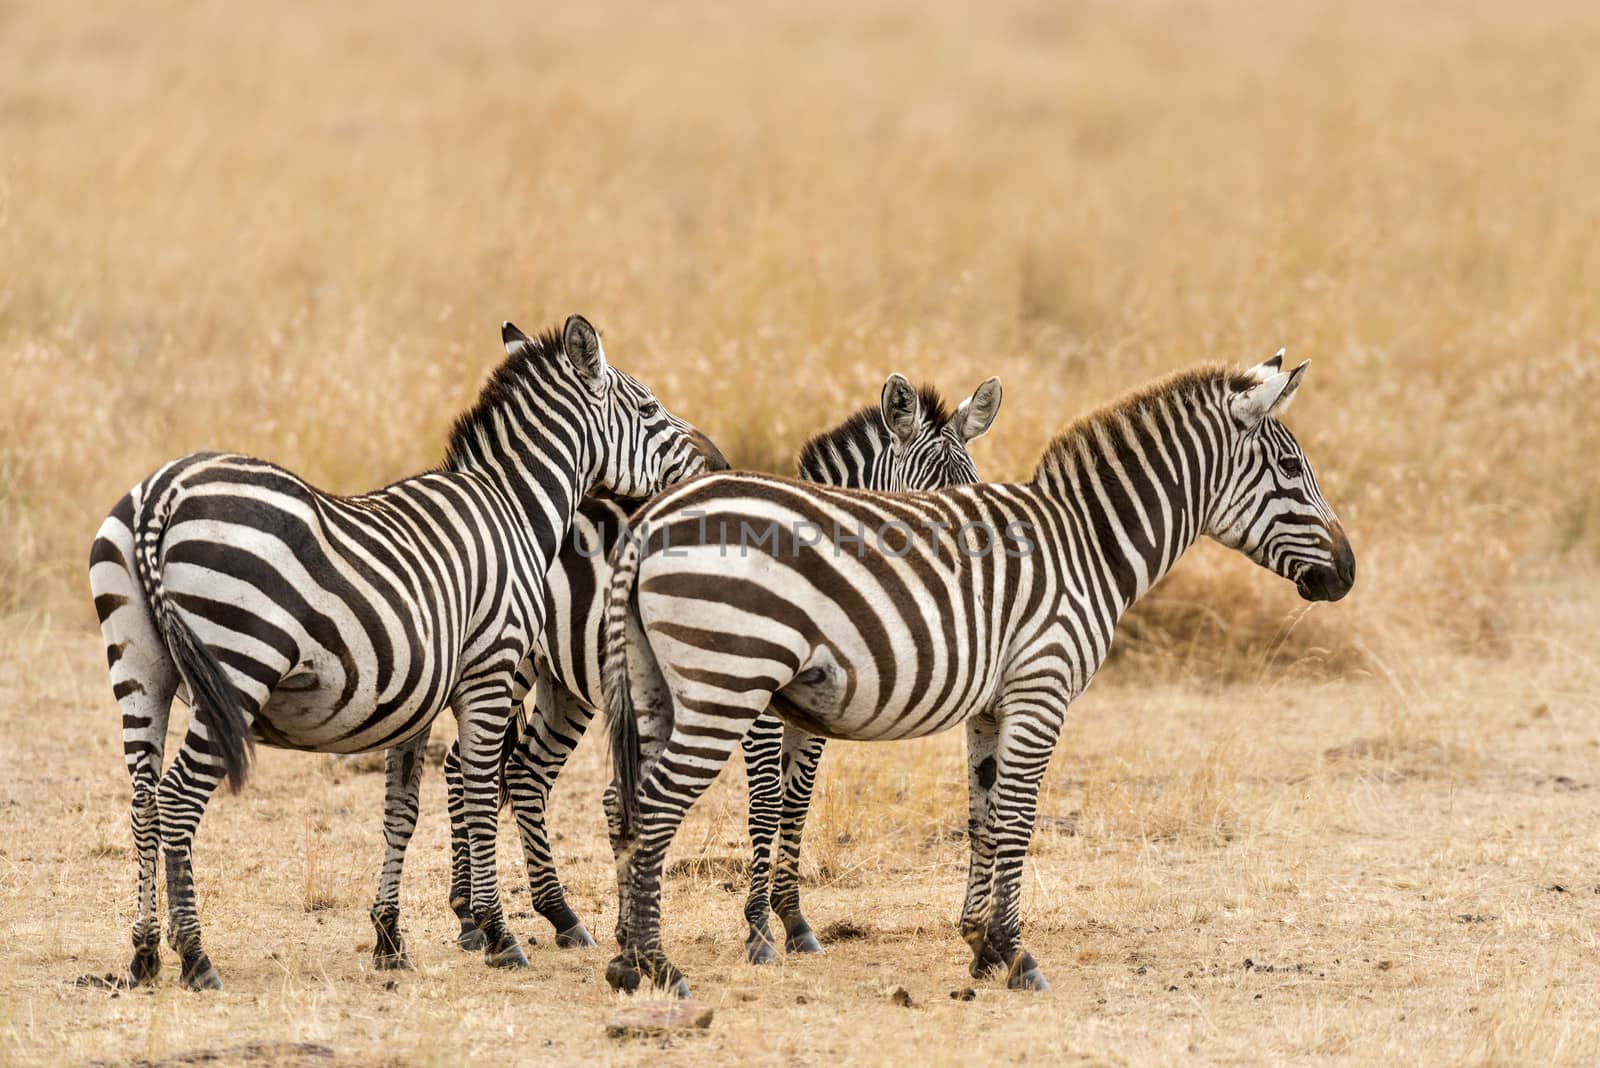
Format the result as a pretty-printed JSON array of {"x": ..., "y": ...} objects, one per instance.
[
  {"x": 910, "y": 440},
  {"x": 309, "y": 621},
  {"x": 881, "y": 616}
]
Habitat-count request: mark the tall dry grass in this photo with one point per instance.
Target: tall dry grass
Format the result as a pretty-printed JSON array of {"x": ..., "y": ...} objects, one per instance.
[{"x": 291, "y": 230}]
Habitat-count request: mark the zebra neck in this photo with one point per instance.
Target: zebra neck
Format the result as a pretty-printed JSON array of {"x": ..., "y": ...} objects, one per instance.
[
  {"x": 856, "y": 454},
  {"x": 543, "y": 475},
  {"x": 1130, "y": 502}
]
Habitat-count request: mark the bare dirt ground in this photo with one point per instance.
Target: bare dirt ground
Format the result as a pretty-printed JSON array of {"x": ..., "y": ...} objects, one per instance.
[{"x": 1394, "y": 869}]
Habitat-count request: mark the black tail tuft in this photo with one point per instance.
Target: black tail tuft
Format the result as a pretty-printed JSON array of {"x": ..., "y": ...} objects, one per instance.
[
  {"x": 508, "y": 746},
  {"x": 216, "y": 702},
  {"x": 625, "y": 760}
]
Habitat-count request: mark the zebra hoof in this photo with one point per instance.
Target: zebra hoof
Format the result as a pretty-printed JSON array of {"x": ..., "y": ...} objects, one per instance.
[
  {"x": 472, "y": 940},
  {"x": 758, "y": 948},
  {"x": 507, "y": 954},
  {"x": 1032, "y": 979},
  {"x": 680, "y": 989},
  {"x": 144, "y": 967},
  {"x": 574, "y": 937},
  {"x": 802, "y": 942},
  {"x": 393, "y": 962},
  {"x": 198, "y": 974},
  {"x": 622, "y": 976},
  {"x": 985, "y": 963}
]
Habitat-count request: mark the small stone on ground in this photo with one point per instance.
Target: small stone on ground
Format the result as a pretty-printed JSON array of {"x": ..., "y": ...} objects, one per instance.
[{"x": 657, "y": 1018}]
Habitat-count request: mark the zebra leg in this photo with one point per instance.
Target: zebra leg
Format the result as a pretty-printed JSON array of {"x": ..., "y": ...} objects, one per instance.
[
  {"x": 470, "y": 939},
  {"x": 701, "y": 742},
  {"x": 144, "y": 680},
  {"x": 982, "y": 741},
  {"x": 483, "y": 720},
  {"x": 802, "y": 753},
  {"x": 1027, "y": 737},
  {"x": 763, "y": 751},
  {"x": 652, "y": 702},
  {"x": 180, "y": 802},
  {"x": 401, "y": 781},
  {"x": 559, "y": 721}
]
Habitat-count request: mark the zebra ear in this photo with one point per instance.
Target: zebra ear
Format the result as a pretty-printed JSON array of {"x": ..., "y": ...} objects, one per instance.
[
  {"x": 1270, "y": 397},
  {"x": 1266, "y": 368},
  {"x": 514, "y": 340},
  {"x": 901, "y": 407},
  {"x": 976, "y": 414},
  {"x": 581, "y": 342}
]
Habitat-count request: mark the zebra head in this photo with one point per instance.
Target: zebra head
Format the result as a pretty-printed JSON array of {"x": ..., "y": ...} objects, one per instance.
[
  {"x": 635, "y": 446},
  {"x": 928, "y": 446},
  {"x": 1271, "y": 509}
]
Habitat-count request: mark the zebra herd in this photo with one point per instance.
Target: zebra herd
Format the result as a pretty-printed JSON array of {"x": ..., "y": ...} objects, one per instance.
[{"x": 581, "y": 544}]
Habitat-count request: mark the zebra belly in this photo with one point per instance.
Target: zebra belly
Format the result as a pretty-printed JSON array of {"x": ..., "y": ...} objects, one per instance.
[
  {"x": 308, "y": 711},
  {"x": 824, "y": 699}
]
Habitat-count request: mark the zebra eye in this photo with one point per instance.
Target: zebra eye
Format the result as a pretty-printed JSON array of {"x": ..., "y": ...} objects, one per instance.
[
  {"x": 1290, "y": 465},
  {"x": 649, "y": 407}
]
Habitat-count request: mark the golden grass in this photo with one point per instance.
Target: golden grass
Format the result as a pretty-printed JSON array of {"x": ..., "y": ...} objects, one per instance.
[{"x": 292, "y": 230}]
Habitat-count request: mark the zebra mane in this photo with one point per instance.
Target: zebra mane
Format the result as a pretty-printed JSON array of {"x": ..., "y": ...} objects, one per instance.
[
  {"x": 508, "y": 380},
  {"x": 864, "y": 429},
  {"x": 1209, "y": 381}
]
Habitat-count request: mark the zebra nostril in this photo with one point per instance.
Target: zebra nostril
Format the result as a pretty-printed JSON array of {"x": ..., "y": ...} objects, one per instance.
[{"x": 1347, "y": 565}]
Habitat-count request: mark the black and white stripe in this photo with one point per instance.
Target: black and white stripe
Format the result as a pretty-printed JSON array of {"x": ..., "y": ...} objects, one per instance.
[
  {"x": 902, "y": 633},
  {"x": 305, "y": 620},
  {"x": 909, "y": 440}
]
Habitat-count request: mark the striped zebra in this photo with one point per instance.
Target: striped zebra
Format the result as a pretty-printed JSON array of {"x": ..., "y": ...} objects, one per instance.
[
  {"x": 309, "y": 621},
  {"x": 880, "y": 616},
  {"x": 910, "y": 440}
]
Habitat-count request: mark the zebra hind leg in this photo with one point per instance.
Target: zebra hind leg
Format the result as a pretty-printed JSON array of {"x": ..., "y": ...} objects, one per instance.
[
  {"x": 701, "y": 742},
  {"x": 144, "y": 681},
  {"x": 801, "y": 755},
  {"x": 180, "y": 802},
  {"x": 470, "y": 940},
  {"x": 559, "y": 721},
  {"x": 402, "y": 778},
  {"x": 763, "y": 760}
]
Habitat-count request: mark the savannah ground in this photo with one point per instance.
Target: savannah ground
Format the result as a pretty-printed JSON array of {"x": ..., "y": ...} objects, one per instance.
[{"x": 293, "y": 232}]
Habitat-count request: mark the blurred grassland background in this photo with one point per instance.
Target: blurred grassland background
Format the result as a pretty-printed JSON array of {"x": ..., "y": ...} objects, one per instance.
[{"x": 293, "y": 229}]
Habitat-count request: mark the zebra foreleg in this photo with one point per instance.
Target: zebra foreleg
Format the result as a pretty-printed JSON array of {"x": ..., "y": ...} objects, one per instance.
[
  {"x": 1027, "y": 737},
  {"x": 763, "y": 761},
  {"x": 977, "y": 910},
  {"x": 802, "y": 753},
  {"x": 483, "y": 718},
  {"x": 559, "y": 721},
  {"x": 470, "y": 939},
  {"x": 402, "y": 778}
]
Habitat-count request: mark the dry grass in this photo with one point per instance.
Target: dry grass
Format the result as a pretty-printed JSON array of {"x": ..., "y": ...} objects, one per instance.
[
  {"x": 291, "y": 231},
  {"x": 1387, "y": 864}
]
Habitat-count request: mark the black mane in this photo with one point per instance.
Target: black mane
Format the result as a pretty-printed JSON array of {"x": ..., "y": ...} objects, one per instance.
[
  {"x": 505, "y": 383},
  {"x": 865, "y": 425},
  {"x": 1120, "y": 415}
]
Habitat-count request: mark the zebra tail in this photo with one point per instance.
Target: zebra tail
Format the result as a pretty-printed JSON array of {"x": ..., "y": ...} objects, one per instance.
[
  {"x": 508, "y": 745},
  {"x": 625, "y": 756},
  {"x": 215, "y": 700}
]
